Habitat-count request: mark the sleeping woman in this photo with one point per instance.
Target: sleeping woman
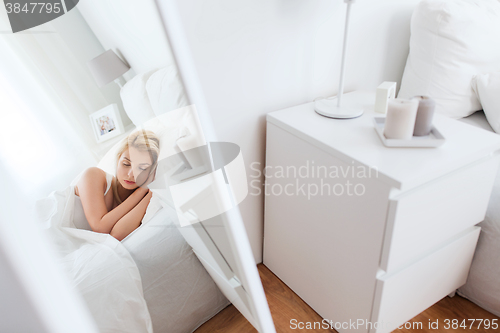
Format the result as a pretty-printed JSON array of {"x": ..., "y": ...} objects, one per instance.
[{"x": 120, "y": 211}]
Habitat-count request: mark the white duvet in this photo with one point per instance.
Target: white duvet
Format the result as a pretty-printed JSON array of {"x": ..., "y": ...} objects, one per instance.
[
  {"x": 100, "y": 267},
  {"x": 152, "y": 280}
]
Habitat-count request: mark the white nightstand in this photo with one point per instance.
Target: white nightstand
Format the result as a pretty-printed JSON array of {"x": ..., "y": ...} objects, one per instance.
[{"x": 395, "y": 241}]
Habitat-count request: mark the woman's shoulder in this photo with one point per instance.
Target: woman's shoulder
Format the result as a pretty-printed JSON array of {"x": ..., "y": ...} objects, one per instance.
[
  {"x": 94, "y": 173},
  {"x": 92, "y": 176}
]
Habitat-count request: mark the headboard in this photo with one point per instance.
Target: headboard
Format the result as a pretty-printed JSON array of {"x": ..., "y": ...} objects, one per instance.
[{"x": 133, "y": 29}]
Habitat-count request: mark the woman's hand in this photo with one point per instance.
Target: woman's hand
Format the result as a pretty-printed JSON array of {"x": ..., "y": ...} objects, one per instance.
[
  {"x": 141, "y": 191},
  {"x": 146, "y": 177},
  {"x": 148, "y": 196},
  {"x": 132, "y": 220},
  {"x": 152, "y": 175}
]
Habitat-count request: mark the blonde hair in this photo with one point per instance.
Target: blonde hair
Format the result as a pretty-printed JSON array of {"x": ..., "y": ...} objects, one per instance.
[{"x": 142, "y": 140}]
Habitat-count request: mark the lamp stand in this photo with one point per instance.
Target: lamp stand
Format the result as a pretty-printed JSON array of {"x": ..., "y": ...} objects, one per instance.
[
  {"x": 332, "y": 107},
  {"x": 118, "y": 81}
]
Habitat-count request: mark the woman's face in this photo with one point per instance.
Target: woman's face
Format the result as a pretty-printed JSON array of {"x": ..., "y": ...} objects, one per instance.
[{"x": 133, "y": 168}]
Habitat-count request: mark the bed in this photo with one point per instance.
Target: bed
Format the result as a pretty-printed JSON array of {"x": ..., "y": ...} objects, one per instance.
[
  {"x": 454, "y": 58},
  {"x": 151, "y": 280}
]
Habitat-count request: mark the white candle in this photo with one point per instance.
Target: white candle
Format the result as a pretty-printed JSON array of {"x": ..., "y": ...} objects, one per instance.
[
  {"x": 400, "y": 119},
  {"x": 425, "y": 112}
]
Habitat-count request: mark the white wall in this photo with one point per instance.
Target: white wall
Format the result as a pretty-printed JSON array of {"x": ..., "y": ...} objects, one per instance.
[
  {"x": 258, "y": 56},
  {"x": 133, "y": 29},
  {"x": 80, "y": 39}
]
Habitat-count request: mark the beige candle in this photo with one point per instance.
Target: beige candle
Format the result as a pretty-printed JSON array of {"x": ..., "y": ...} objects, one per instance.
[
  {"x": 400, "y": 119},
  {"x": 425, "y": 112}
]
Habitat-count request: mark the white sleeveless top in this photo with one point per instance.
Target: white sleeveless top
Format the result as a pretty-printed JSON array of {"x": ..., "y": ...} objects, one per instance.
[{"x": 79, "y": 218}]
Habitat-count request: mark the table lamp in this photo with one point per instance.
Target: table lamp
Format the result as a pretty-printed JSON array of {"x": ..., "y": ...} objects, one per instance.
[
  {"x": 107, "y": 67},
  {"x": 333, "y": 107}
]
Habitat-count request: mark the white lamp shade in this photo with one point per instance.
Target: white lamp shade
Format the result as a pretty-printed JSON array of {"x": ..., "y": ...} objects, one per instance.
[{"x": 107, "y": 67}]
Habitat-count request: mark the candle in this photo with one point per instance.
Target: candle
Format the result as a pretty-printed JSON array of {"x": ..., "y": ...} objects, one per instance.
[
  {"x": 425, "y": 112},
  {"x": 400, "y": 119}
]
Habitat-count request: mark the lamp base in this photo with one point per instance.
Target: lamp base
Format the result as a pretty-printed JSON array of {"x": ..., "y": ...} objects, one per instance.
[
  {"x": 329, "y": 108},
  {"x": 119, "y": 82}
]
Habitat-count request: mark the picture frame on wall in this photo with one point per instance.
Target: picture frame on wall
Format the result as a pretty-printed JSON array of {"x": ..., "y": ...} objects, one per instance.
[{"x": 106, "y": 123}]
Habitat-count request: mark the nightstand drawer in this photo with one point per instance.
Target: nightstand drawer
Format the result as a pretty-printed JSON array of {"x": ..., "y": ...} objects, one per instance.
[
  {"x": 421, "y": 219},
  {"x": 425, "y": 282}
]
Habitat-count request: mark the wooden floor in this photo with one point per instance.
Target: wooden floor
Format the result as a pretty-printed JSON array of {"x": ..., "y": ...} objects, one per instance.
[{"x": 285, "y": 305}]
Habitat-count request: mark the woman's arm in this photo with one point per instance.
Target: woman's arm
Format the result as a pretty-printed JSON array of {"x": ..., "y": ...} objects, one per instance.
[
  {"x": 91, "y": 191},
  {"x": 131, "y": 220}
]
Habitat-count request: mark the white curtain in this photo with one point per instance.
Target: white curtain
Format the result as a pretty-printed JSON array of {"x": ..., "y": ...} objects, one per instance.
[{"x": 46, "y": 97}]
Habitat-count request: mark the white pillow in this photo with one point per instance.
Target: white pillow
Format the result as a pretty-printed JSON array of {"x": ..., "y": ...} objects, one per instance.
[
  {"x": 135, "y": 99},
  {"x": 487, "y": 89},
  {"x": 451, "y": 41},
  {"x": 165, "y": 91}
]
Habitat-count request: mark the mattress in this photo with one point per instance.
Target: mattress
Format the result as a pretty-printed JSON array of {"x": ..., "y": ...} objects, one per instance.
[
  {"x": 179, "y": 292},
  {"x": 478, "y": 119},
  {"x": 482, "y": 285}
]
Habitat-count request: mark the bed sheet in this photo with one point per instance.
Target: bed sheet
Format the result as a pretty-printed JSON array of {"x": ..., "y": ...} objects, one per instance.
[{"x": 478, "y": 119}]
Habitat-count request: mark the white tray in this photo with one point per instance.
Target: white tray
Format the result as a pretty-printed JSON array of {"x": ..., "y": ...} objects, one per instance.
[{"x": 434, "y": 139}]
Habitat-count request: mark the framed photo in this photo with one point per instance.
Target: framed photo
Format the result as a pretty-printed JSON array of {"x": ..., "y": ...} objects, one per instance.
[{"x": 107, "y": 123}]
